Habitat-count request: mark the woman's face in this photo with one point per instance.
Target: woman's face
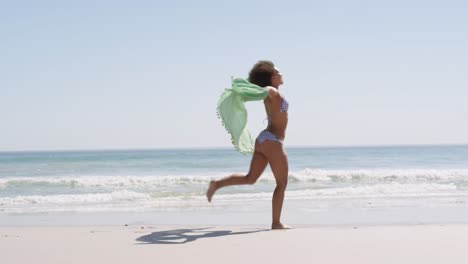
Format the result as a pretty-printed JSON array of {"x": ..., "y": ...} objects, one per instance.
[{"x": 277, "y": 78}]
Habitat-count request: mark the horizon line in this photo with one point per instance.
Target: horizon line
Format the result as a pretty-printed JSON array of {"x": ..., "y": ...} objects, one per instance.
[{"x": 230, "y": 147}]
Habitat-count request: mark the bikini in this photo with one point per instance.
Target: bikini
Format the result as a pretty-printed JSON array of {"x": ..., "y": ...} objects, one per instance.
[{"x": 267, "y": 135}]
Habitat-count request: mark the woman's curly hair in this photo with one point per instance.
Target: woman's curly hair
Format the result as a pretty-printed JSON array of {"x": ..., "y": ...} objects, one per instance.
[{"x": 261, "y": 73}]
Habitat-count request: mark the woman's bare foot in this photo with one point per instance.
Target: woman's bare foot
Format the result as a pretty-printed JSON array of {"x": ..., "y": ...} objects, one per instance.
[
  {"x": 279, "y": 226},
  {"x": 211, "y": 190}
]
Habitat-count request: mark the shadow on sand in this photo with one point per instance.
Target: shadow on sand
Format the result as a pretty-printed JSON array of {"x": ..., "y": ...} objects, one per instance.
[{"x": 182, "y": 236}]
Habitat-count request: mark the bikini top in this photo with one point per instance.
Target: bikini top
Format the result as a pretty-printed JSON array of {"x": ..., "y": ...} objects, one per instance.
[{"x": 284, "y": 107}]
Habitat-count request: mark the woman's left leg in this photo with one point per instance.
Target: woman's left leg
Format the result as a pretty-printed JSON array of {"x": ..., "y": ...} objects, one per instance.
[{"x": 278, "y": 160}]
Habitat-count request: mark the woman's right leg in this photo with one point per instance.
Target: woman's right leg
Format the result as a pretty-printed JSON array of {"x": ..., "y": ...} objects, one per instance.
[{"x": 257, "y": 166}]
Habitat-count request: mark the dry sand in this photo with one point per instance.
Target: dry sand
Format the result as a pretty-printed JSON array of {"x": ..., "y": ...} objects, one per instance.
[{"x": 235, "y": 244}]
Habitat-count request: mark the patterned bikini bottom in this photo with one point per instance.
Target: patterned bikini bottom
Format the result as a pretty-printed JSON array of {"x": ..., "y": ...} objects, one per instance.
[{"x": 267, "y": 135}]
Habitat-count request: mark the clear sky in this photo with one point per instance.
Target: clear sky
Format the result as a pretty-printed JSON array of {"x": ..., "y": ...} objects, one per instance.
[{"x": 148, "y": 74}]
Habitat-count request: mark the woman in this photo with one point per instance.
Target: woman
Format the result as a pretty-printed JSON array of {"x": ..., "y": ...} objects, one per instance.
[{"x": 269, "y": 143}]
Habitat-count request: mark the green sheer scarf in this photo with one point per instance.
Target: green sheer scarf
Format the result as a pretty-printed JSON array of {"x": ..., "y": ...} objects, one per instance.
[{"x": 233, "y": 114}]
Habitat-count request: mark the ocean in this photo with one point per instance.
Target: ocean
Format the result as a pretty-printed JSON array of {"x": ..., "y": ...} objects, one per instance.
[{"x": 326, "y": 184}]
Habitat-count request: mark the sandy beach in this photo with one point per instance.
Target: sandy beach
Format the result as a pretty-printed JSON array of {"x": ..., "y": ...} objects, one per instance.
[{"x": 235, "y": 244}]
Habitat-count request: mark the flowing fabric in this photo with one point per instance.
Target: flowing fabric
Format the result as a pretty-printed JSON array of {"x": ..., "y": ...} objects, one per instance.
[{"x": 233, "y": 114}]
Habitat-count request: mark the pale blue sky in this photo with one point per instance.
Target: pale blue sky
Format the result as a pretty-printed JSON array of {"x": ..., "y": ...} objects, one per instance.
[{"x": 147, "y": 74}]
